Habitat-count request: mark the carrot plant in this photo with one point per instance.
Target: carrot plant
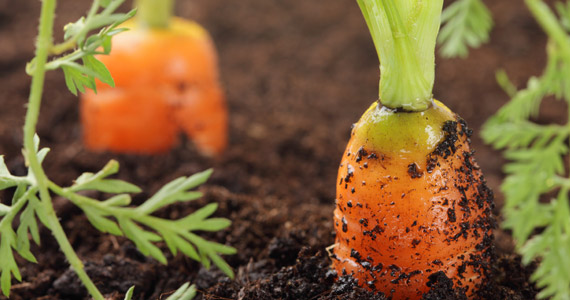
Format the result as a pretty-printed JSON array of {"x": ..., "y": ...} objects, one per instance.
[
  {"x": 537, "y": 153},
  {"x": 32, "y": 197},
  {"x": 466, "y": 23},
  {"x": 411, "y": 201}
]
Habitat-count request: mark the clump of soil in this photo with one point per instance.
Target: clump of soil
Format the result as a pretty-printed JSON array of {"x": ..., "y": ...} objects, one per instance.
[{"x": 297, "y": 74}]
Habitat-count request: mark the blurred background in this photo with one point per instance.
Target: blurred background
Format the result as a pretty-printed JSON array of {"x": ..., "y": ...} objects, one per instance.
[{"x": 296, "y": 74}]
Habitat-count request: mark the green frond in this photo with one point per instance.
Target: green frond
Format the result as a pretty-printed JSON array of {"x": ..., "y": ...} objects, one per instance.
[
  {"x": 137, "y": 223},
  {"x": 465, "y": 24},
  {"x": 536, "y": 153}
]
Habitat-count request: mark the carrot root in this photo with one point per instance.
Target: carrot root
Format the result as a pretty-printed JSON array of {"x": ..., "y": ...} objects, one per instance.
[{"x": 400, "y": 219}]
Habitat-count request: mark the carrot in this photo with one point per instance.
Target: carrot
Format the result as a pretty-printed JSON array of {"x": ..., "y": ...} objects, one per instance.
[
  {"x": 166, "y": 77},
  {"x": 411, "y": 200}
]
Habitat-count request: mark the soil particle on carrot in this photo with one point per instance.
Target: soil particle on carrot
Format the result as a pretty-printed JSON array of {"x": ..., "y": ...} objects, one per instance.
[
  {"x": 451, "y": 215},
  {"x": 414, "y": 171},
  {"x": 448, "y": 146},
  {"x": 361, "y": 153},
  {"x": 442, "y": 288}
]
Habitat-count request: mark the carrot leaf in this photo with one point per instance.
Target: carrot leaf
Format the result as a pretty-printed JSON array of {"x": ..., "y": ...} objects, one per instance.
[
  {"x": 11, "y": 241},
  {"x": 465, "y": 23},
  {"x": 536, "y": 154},
  {"x": 130, "y": 292},
  {"x": 84, "y": 46},
  {"x": 8, "y": 266},
  {"x": 114, "y": 216},
  {"x": 176, "y": 190},
  {"x": 184, "y": 292}
]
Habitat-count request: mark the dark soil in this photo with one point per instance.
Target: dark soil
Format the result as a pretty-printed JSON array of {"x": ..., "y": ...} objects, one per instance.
[{"x": 297, "y": 73}]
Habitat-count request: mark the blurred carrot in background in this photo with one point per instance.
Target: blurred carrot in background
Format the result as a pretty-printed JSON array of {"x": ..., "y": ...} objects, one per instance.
[{"x": 166, "y": 75}]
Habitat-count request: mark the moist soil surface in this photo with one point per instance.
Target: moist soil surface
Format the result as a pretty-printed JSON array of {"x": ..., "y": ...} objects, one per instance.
[{"x": 297, "y": 74}]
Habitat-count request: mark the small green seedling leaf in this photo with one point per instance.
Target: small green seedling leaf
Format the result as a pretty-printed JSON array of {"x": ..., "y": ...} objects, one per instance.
[
  {"x": 112, "y": 167},
  {"x": 72, "y": 29},
  {"x": 27, "y": 224},
  {"x": 102, "y": 223},
  {"x": 185, "y": 292},
  {"x": 206, "y": 250},
  {"x": 90, "y": 181},
  {"x": 175, "y": 243},
  {"x": 76, "y": 80},
  {"x": 40, "y": 210},
  {"x": 213, "y": 224},
  {"x": 130, "y": 292},
  {"x": 118, "y": 200},
  {"x": 8, "y": 266},
  {"x": 69, "y": 82},
  {"x": 175, "y": 191},
  {"x": 102, "y": 73},
  {"x": 198, "y": 215},
  {"x": 42, "y": 154},
  {"x": 114, "y": 186},
  {"x": 142, "y": 239},
  {"x": 222, "y": 265},
  {"x": 106, "y": 43},
  {"x": 7, "y": 180}
]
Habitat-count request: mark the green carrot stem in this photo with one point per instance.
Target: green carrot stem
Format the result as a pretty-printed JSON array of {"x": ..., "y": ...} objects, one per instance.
[
  {"x": 404, "y": 33},
  {"x": 43, "y": 45},
  {"x": 550, "y": 24},
  {"x": 154, "y": 13}
]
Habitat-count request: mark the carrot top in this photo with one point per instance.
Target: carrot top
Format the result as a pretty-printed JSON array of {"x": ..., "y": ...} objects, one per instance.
[
  {"x": 417, "y": 134},
  {"x": 404, "y": 33},
  {"x": 154, "y": 13}
]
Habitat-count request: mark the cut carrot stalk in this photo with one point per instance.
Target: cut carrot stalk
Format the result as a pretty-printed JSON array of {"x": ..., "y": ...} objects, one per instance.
[
  {"x": 166, "y": 81},
  {"x": 411, "y": 200}
]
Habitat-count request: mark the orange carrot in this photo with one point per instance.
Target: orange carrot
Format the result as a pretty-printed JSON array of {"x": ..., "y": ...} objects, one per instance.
[
  {"x": 411, "y": 200},
  {"x": 166, "y": 82}
]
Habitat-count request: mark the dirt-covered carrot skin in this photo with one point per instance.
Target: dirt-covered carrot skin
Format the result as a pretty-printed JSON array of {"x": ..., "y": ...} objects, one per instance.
[
  {"x": 411, "y": 201},
  {"x": 166, "y": 81}
]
